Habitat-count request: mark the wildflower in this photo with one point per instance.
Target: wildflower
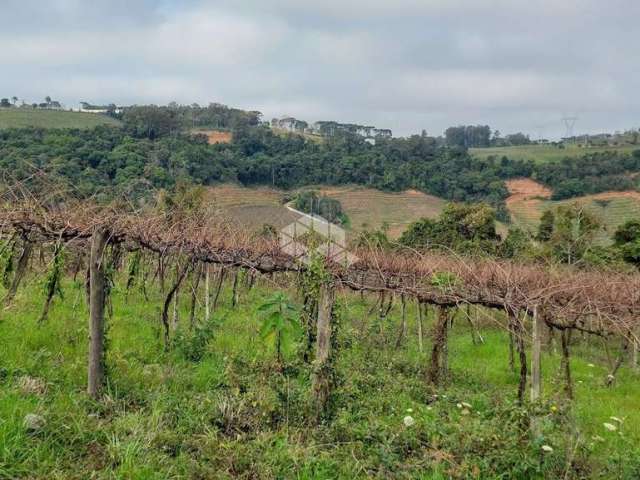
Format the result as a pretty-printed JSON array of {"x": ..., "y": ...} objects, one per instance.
[
  {"x": 408, "y": 421},
  {"x": 547, "y": 448},
  {"x": 610, "y": 427},
  {"x": 554, "y": 408}
]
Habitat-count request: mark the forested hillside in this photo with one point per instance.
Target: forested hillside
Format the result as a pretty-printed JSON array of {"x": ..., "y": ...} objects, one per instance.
[{"x": 151, "y": 151}]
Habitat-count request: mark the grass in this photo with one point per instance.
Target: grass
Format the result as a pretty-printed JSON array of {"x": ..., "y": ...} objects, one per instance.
[
  {"x": 365, "y": 207},
  {"x": 28, "y": 117},
  {"x": 612, "y": 208},
  {"x": 544, "y": 153},
  {"x": 232, "y": 414}
]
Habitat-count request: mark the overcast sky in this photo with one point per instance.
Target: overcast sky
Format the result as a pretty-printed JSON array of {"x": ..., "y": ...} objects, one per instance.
[{"x": 402, "y": 64}]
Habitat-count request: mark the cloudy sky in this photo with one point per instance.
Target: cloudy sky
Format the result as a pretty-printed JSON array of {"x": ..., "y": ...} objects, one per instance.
[{"x": 403, "y": 64}]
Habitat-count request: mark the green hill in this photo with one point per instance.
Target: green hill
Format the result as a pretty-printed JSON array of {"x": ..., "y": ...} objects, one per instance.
[
  {"x": 29, "y": 117},
  {"x": 545, "y": 153}
]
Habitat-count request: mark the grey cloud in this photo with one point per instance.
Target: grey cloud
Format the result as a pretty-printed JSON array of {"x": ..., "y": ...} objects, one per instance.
[{"x": 407, "y": 64}]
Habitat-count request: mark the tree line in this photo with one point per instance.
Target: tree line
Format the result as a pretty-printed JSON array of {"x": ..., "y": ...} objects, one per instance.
[{"x": 151, "y": 152}]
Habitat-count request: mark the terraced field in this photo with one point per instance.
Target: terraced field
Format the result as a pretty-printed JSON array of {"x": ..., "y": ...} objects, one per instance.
[
  {"x": 544, "y": 153},
  {"x": 529, "y": 200},
  {"x": 369, "y": 208},
  {"x": 365, "y": 207},
  {"x": 28, "y": 117}
]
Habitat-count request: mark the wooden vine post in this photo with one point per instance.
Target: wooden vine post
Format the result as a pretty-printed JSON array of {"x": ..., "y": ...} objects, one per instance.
[
  {"x": 322, "y": 376},
  {"x": 97, "y": 298},
  {"x": 437, "y": 370},
  {"x": 536, "y": 356},
  {"x": 21, "y": 269}
]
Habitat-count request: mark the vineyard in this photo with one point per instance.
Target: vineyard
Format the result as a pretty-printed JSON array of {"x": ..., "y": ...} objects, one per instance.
[{"x": 389, "y": 322}]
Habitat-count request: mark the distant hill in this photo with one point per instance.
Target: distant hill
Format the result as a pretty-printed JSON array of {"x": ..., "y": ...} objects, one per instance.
[
  {"x": 29, "y": 117},
  {"x": 545, "y": 153}
]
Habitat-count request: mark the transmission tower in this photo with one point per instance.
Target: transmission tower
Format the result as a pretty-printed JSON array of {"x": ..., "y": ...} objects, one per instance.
[{"x": 569, "y": 123}]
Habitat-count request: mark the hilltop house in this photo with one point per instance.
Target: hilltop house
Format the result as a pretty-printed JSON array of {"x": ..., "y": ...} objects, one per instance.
[
  {"x": 289, "y": 124},
  {"x": 89, "y": 108}
]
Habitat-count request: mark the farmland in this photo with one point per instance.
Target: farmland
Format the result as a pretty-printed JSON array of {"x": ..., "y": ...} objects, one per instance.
[
  {"x": 529, "y": 200},
  {"x": 545, "y": 153},
  {"x": 371, "y": 209},
  {"x": 366, "y": 208},
  {"x": 27, "y": 117}
]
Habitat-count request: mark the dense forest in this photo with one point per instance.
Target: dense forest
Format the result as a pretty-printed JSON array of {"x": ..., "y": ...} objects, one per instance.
[{"x": 152, "y": 151}]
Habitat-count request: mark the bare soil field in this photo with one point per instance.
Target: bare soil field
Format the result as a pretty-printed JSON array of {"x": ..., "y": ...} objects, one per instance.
[{"x": 215, "y": 136}]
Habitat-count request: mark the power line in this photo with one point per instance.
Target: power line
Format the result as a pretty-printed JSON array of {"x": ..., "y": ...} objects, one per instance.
[{"x": 569, "y": 123}]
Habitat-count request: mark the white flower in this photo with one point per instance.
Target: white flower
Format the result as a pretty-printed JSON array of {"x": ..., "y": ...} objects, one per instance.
[
  {"x": 610, "y": 427},
  {"x": 547, "y": 448},
  {"x": 408, "y": 421},
  {"x": 616, "y": 419}
]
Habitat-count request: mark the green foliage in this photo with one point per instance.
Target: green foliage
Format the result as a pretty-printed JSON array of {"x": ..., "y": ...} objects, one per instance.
[
  {"x": 7, "y": 259},
  {"x": 53, "y": 280},
  {"x": 229, "y": 415},
  {"x": 460, "y": 227},
  {"x": 445, "y": 281},
  {"x": 574, "y": 232},
  {"x": 280, "y": 323},
  {"x": 151, "y": 121},
  {"x": 376, "y": 239},
  {"x": 152, "y": 152},
  {"x": 133, "y": 269},
  {"x": 545, "y": 228},
  {"x": 627, "y": 240},
  {"x": 269, "y": 231},
  {"x": 192, "y": 344},
  {"x": 517, "y": 244},
  {"x": 468, "y": 136},
  {"x": 329, "y": 208}
]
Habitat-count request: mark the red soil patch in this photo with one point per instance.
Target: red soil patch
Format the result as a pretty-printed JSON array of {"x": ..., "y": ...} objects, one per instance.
[
  {"x": 526, "y": 197},
  {"x": 525, "y": 188},
  {"x": 219, "y": 137},
  {"x": 215, "y": 136}
]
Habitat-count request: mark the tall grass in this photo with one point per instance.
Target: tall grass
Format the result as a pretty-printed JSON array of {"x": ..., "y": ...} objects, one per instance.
[{"x": 233, "y": 414}]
